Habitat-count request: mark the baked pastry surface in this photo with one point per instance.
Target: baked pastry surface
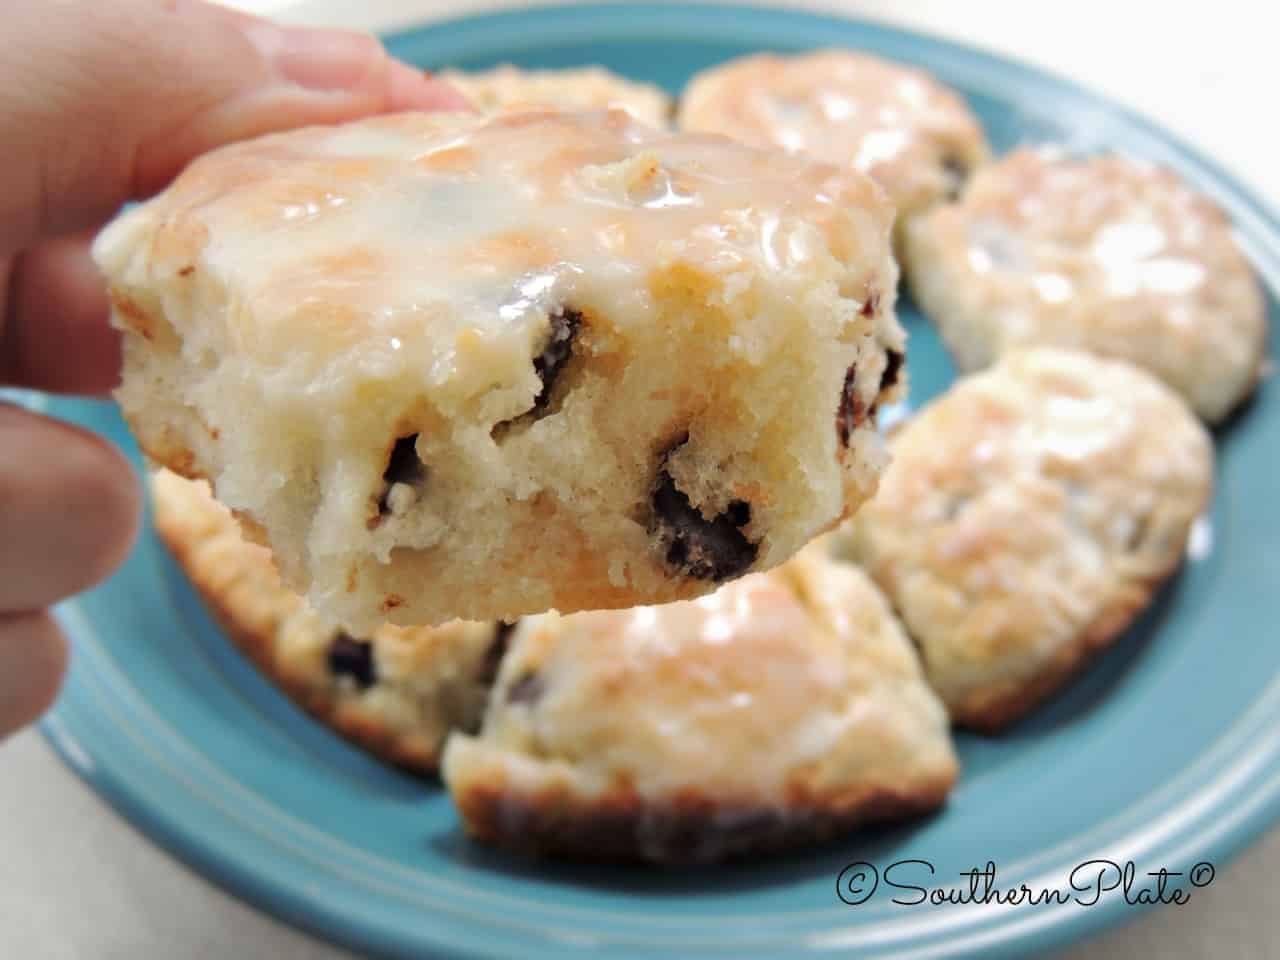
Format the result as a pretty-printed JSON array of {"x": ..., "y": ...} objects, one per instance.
[
  {"x": 787, "y": 707},
  {"x": 508, "y": 88},
  {"x": 397, "y": 692},
  {"x": 1028, "y": 515},
  {"x": 449, "y": 366},
  {"x": 1106, "y": 254},
  {"x": 915, "y": 136}
]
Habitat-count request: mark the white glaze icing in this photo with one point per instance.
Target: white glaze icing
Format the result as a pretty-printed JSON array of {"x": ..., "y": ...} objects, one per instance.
[
  {"x": 508, "y": 88},
  {"x": 1028, "y": 514},
  {"x": 571, "y": 207},
  {"x": 891, "y": 121},
  {"x": 1104, "y": 253},
  {"x": 744, "y": 693}
]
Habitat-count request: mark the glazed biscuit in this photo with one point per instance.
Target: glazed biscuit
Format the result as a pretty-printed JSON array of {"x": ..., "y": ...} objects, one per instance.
[
  {"x": 507, "y": 89},
  {"x": 450, "y": 366},
  {"x": 1106, "y": 254},
  {"x": 1027, "y": 517},
  {"x": 916, "y": 137},
  {"x": 397, "y": 692},
  {"x": 786, "y": 708}
]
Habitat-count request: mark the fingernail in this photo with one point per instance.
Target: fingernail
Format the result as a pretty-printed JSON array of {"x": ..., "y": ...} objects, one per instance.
[{"x": 323, "y": 60}]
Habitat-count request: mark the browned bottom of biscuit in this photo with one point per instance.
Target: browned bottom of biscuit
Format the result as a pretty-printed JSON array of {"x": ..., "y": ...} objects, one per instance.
[
  {"x": 687, "y": 828},
  {"x": 993, "y": 709},
  {"x": 167, "y": 452},
  {"x": 257, "y": 641}
]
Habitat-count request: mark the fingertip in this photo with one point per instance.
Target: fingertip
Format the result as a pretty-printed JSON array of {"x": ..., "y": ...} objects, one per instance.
[
  {"x": 70, "y": 510},
  {"x": 107, "y": 481},
  {"x": 56, "y": 331},
  {"x": 33, "y": 662},
  {"x": 323, "y": 61},
  {"x": 119, "y": 514}
]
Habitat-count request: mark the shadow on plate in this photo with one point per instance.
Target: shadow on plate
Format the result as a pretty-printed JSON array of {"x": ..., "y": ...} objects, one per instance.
[
  {"x": 1222, "y": 432},
  {"x": 823, "y": 861},
  {"x": 1096, "y": 682}
]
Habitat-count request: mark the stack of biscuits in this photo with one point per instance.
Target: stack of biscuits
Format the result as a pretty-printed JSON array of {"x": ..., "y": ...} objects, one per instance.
[{"x": 634, "y": 375}]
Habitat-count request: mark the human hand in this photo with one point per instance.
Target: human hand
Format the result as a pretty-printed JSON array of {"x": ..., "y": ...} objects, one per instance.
[{"x": 102, "y": 103}]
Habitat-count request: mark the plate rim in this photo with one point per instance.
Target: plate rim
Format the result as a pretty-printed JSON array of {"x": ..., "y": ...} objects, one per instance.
[{"x": 1218, "y": 843}]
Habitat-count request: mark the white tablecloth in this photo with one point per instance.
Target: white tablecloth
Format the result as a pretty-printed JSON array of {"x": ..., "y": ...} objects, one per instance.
[{"x": 77, "y": 882}]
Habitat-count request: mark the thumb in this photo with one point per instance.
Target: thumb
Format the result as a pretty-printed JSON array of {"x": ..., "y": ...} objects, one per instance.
[{"x": 104, "y": 102}]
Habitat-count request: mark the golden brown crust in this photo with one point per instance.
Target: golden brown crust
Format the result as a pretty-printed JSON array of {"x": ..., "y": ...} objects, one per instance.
[
  {"x": 240, "y": 586},
  {"x": 1104, "y": 254},
  {"x": 785, "y": 709},
  {"x": 173, "y": 456},
  {"x": 260, "y": 646},
  {"x": 685, "y": 828},
  {"x": 916, "y": 137},
  {"x": 1029, "y": 516},
  {"x": 508, "y": 88},
  {"x": 131, "y": 315},
  {"x": 992, "y": 711}
]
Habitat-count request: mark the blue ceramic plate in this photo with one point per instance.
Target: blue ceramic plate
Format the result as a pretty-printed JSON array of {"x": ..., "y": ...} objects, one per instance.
[{"x": 1164, "y": 753}]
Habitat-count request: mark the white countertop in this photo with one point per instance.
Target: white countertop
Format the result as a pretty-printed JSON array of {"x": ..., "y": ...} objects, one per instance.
[{"x": 76, "y": 881}]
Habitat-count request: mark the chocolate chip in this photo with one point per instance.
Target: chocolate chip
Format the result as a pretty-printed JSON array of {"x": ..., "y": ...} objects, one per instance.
[
  {"x": 851, "y": 412},
  {"x": 528, "y": 689},
  {"x": 956, "y": 173},
  {"x": 696, "y": 547},
  {"x": 892, "y": 368},
  {"x": 739, "y": 513},
  {"x": 555, "y": 352},
  {"x": 403, "y": 466},
  {"x": 1139, "y": 533},
  {"x": 550, "y": 362},
  {"x": 497, "y": 650},
  {"x": 349, "y": 657},
  {"x": 871, "y": 302}
]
